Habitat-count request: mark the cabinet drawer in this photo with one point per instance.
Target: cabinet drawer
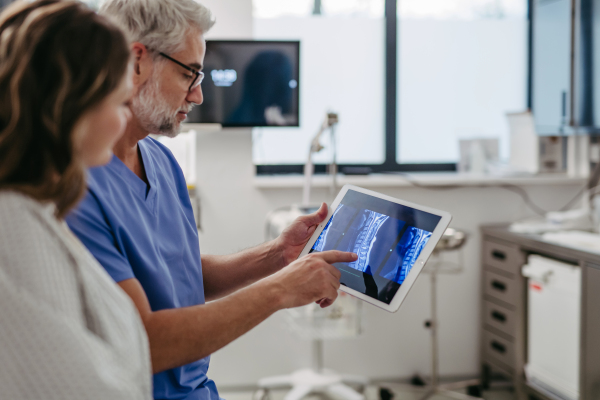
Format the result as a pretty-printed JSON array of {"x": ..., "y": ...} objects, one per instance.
[
  {"x": 498, "y": 348},
  {"x": 500, "y": 318},
  {"x": 502, "y": 256},
  {"x": 500, "y": 287}
]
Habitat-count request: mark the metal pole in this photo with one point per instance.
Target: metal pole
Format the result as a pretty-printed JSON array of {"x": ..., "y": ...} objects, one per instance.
[
  {"x": 434, "y": 326},
  {"x": 433, "y": 387},
  {"x": 333, "y": 167}
]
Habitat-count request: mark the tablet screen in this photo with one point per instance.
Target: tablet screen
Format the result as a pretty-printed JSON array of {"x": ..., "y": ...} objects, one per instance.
[{"x": 388, "y": 238}]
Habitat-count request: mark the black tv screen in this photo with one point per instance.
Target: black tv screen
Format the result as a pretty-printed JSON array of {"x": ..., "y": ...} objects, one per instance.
[{"x": 250, "y": 83}]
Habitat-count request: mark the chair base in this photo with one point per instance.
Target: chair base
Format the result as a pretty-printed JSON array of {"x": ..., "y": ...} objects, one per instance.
[{"x": 307, "y": 381}]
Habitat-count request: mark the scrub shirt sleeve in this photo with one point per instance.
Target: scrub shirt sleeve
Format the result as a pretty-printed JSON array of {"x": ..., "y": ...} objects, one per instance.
[{"x": 90, "y": 224}]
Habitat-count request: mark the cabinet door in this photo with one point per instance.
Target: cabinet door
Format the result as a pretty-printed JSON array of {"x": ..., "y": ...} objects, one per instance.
[
  {"x": 501, "y": 288},
  {"x": 505, "y": 257},
  {"x": 500, "y": 318},
  {"x": 499, "y": 349}
]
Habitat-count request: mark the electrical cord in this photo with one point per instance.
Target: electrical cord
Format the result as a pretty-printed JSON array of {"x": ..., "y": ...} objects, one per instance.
[
  {"x": 526, "y": 198},
  {"x": 575, "y": 198},
  {"x": 511, "y": 188}
]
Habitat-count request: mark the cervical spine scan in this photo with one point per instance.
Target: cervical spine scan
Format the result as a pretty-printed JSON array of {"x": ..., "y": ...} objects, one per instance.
[{"x": 385, "y": 246}]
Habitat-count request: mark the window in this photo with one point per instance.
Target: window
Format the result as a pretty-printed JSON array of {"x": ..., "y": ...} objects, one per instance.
[
  {"x": 342, "y": 70},
  {"x": 453, "y": 69},
  {"x": 462, "y": 64}
]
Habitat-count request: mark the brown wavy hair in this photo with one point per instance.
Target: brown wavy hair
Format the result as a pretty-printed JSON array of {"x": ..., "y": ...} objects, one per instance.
[{"x": 58, "y": 59}]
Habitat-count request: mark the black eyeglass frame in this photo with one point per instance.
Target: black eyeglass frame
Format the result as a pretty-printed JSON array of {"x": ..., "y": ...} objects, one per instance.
[{"x": 197, "y": 74}]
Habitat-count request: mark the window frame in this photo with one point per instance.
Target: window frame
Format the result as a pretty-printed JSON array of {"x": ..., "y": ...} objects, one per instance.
[{"x": 390, "y": 164}]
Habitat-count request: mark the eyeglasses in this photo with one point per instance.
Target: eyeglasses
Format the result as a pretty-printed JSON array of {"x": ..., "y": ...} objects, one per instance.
[{"x": 198, "y": 75}]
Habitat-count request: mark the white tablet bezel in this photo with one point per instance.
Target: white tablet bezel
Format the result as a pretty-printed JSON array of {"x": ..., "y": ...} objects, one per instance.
[{"x": 421, "y": 260}]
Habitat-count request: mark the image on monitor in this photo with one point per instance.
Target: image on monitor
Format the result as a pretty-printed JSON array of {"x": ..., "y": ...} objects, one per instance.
[
  {"x": 250, "y": 83},
  {"x": 387, "y": 237}
]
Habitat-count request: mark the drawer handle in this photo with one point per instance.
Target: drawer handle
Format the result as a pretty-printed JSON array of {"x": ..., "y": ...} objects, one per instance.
[
  {"x": 499, "y": 347},
  {"x": 499, "y": 255},
  {"x": 498, "y": 316},
  {"x": 498, "y": 285}
]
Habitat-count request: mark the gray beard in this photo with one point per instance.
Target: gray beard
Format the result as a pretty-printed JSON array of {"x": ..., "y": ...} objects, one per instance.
[{"x": 154, "y": 115}]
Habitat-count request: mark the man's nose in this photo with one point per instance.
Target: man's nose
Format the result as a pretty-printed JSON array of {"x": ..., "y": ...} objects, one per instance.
[{"x": 195, "y": 96}]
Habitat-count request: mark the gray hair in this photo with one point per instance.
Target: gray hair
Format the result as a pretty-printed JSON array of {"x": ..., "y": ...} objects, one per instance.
[{"x": 159, "y": 24}]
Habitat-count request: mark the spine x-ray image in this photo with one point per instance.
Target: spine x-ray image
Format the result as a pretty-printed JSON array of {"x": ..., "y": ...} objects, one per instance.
[
  {"x": 385, "y": 246},
  {"x": 407, "y": 251}
]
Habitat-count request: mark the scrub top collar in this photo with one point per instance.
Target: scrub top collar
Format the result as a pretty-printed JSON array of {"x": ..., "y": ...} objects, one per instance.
[{"x": 147, "y": 192}]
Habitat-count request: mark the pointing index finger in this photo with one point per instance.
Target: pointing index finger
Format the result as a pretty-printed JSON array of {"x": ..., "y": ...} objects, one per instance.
[{"x": 336, "y": 256}]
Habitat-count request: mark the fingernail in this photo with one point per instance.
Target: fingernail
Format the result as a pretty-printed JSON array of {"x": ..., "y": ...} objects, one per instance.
[{"x": 355, "y": 256}]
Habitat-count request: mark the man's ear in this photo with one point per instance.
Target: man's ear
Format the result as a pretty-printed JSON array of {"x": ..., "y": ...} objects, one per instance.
[{"x": 142, "y": 63}]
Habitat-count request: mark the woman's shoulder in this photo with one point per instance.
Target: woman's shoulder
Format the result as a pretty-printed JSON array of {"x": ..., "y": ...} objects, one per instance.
[
  {"x": 25, "y": 222},
  {"x": 20, "y": 208},
  {"x": 33, "y": 255},
  {"x": 28, "y": 229}
]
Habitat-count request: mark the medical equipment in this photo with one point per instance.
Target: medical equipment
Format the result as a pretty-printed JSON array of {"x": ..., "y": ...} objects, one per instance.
[
  {"x": 393, "y": 239},
  {"x": 530, "y": 153},
  {"x": 340, "y": 320},
  {"x": 280, "y": 218},
  {"x": 584, "y": 218},
  {"x": 554, "y": 308},
  {"x": 451, "y": 240},
  {"x": 477, "y": 154},
  {"x": 343, "y": 319},
  {"x": 250, "y": 83},
  {"x": 311, "y": 322},
  {"x": 330, "y": 122}
]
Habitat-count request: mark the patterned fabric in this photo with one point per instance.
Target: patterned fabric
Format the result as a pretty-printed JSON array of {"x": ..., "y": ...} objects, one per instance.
[{"x": 66, "y": 330}]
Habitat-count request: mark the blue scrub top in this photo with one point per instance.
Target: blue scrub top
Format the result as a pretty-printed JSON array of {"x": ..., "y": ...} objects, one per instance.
[{"x": 149, "y": 233}]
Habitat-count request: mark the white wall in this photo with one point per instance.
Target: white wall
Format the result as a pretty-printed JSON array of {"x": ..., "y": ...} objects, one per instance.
[
  {"x": 234, "y": 19},
  {"x": 393, "y": 345}
]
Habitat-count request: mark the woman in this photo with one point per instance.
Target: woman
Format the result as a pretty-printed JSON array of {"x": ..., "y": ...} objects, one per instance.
[{"x": 66, "y": 330}]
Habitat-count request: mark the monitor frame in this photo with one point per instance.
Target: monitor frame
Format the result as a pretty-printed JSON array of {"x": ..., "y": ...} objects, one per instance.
[{"x": 297, "y": 94}]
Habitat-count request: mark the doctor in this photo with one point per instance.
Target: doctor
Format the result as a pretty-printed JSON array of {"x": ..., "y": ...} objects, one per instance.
[{"x": 137, "y": 219}]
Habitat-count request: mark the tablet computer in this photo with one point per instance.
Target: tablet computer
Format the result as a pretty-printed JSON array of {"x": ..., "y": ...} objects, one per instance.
[{"x": 393, "y": 239}]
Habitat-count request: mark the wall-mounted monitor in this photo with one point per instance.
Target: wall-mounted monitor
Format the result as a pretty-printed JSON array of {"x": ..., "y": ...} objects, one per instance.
[{"x": 250, "y": 83}]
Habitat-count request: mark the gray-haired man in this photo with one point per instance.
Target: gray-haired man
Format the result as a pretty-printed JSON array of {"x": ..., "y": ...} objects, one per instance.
[{"x": 137, "y": 220}]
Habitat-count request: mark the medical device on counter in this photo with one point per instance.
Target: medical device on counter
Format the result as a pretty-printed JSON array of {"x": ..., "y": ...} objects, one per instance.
[{"x": 585, "y": 218}]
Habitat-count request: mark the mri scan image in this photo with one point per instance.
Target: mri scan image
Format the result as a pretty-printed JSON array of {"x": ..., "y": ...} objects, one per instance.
[{"x": 386, "y": 247}]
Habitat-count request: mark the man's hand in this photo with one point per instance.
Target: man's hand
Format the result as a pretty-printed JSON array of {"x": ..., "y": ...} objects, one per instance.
[
  {"x": 291, "y": 242},
  {"x": 311, "y": 278},
  {"x": 224, "y": 275}
]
